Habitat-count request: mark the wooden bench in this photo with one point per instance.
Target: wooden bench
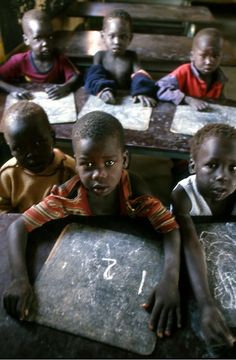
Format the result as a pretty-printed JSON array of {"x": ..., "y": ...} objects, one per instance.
[
  {"x": 148, "y": 18},
  {"x": 156, "y": 52}
]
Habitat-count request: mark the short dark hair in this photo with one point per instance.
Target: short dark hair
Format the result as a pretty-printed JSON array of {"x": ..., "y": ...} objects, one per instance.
[
  {"x": 218, "y": 130},
  {"x": 118, "y": 13},
  {"x": 98, "y": 125},
  {"x": 33, "y": 14}
]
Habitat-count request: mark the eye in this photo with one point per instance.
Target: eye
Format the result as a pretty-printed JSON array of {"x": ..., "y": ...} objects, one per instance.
[
  {"x": 233, "y": 168},
  {"x": 109, "y": 163},
  {"x": 212, "y": 166}
]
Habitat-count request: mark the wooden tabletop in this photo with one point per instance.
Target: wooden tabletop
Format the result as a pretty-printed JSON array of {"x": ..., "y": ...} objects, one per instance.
[
  {"x": 146, "y": 12},
  {"x": 153, "y": 49}
]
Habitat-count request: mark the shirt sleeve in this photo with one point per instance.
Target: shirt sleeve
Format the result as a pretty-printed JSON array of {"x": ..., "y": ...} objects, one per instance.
[
  {"x": 142, "y": 84},
  {"x": 11, "y": 69},
  {"x": 97, "y": 79},
  {"x": 168, "y": 89},
  {"x": 152, "y": 208}
]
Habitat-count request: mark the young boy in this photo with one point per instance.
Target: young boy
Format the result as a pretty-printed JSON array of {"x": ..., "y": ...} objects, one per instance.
[
  {"x": 211, "y": 191},
  {"x": 102, "y": 187},
  {"x": 36, "y": 166},
  {"x": 117, "y": 67},
  {"x": 41, "y": 64},
  {"x": 202, "y": 79}
]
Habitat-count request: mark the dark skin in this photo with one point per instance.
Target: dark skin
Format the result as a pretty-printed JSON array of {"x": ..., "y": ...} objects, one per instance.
[
  {"x": 38, "y": 36},
  {"x": 206, "y": 55},
  {"x": 119, "y": 61},
  {"x": 100, "y": 164},
  {"x": 215, "y": 167}
]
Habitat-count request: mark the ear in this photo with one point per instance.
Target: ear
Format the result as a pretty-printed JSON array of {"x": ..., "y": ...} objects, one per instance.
[
  {"x": 125, "y": 159},
  {"x": 102, "y": 34},
  {"x": 191, "y": 166},
  {"x": 26, "y": 40}
]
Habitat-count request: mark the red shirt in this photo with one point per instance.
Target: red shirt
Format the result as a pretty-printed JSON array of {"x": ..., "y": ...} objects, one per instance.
[{"x": 22, "y": 65}]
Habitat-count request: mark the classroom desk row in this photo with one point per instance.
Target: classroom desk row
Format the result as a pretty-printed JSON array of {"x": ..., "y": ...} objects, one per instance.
[
  {"x": 31, "y": 340},
  {"x": 156, "y": 140},
  {"x": 157, "y": 53},
  {"x": 155, "y": 17}
]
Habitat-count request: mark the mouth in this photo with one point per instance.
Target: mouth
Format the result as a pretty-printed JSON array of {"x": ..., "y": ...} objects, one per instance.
[
  {"x": 99, "y": 189},
  {"x": 219, "y": 193}
]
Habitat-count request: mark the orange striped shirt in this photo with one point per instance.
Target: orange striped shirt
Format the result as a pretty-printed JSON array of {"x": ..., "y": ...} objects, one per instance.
[{"x": 58, "y": 205}]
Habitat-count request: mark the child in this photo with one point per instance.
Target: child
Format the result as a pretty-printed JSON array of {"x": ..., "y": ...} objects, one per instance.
[
  {"x": 102, "y": 187},
  {"x": 41, "y": 64},
  {"x": 211, "y": 191},
  {"x": 29, "y": 176},
  {"x": 202, "y": 79},
  {"x": 117, "y": 67}
]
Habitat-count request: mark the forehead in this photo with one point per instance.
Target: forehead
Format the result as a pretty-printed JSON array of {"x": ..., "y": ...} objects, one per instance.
[
  {"x": 206, "y": 41},
  {"x": 87, "y": 146},
  {"x": 34, "y": 26},
  {"x": 116, "y": 24},
  {"x": 19, "y": 124},
  {"x": 218, "y": 147}
]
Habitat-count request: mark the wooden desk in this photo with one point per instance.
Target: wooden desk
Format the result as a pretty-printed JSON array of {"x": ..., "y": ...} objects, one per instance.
[
  {"x": 157, "y": 140},
  {"x": 30, "y": 340},
  {"x": 156, "y": 52},
  {"x": 155, "y": 17}
]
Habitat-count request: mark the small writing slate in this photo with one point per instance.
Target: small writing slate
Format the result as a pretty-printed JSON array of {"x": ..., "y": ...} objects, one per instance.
[
  {"x": 219, "y": 242},
  {"x": 93, "y": 283}
]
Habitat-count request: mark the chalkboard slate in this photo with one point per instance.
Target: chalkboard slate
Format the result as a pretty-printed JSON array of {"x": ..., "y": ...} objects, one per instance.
[
  {"x": 93, "y": 283},
  {"x": 219, "y": 242}
]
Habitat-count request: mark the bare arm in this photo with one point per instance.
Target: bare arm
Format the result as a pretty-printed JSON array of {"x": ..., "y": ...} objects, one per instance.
[
  {"x": 213, "y": 325},
  {"x": 19, "y": 295},
  {"x": 16, "y": 91}
]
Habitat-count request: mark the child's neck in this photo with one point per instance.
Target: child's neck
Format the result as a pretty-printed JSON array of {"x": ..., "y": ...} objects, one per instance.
[
  {"x": 42, "y": 65},
  {"x": 107, "y": 205}
]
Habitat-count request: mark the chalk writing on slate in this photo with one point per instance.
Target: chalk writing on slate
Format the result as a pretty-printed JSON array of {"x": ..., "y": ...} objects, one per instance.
[
  {"x": 93, "y": 283},
  {"x": 219, "y": 242}
]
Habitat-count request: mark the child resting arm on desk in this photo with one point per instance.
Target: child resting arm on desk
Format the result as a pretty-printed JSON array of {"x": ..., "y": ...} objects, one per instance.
[
  {"x": 117, "y": 67},
  {"x": 40, "y": 64},
  {"x": 202, "y": 79},
  {"x": 211, "y": 191},
  {"x": 102, "y": 187},
  {"x": 36, "y": 165}
]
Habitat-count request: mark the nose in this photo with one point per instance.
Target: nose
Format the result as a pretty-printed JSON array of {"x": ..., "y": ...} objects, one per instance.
[
  {"x": 116, "y": 40},
  {"x": 221, "y": 174},
  {"x": 209, "y": 60},
  {"x": 99, "y": 173}
]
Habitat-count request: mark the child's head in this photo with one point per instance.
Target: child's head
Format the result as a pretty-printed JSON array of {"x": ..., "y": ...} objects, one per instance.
[
  {"x": 99, "y": 147},
  {"x": 38, "y": 33},
  {"x": 117, "y": 31},
  {"x": 29, "y": 135},
  {"x": 213, "y": 152},
  {"x": 207, "y": 50}
]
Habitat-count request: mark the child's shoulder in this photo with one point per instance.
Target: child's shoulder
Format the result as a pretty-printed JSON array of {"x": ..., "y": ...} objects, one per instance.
[
  {"x": 179, "y": 196},
  {"x": 9, "y": 164}
]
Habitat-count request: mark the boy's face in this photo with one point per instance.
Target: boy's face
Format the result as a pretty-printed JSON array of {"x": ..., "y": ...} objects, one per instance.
[
  {"x": 39, "y": 37},
  {"x": 117, "y": 35},
  {"x": 215, "y": 168},
  {"x": 99, "y": 164},
  {"x": 206, "y": 54},
  {"x": 32, "y": 146}
]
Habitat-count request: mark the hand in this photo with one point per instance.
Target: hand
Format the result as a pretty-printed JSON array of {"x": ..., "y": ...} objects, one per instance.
[
  {"x": 214, "y": 328},
  {"x": 108, "y": 97},
  {"x": 17, "y": 298},
  {"x": 164, "y": 304},
  {"x": 22, "y": 94},
  {"x": 57, "y": 91},
  {"x": 144, "y": 100},
  {"x": 197, "y": 104}
]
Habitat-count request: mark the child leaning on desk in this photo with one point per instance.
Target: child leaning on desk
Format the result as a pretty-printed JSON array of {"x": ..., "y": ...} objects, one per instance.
[
  {"x": 103, "y": 186},
  {"x": 36, "y": 166},
  {"x": 210, "y": 191},
  {"x": 193, "y": 83},
  {"x": 41, "y": 63},
  {"x": 119, "y": 68}
]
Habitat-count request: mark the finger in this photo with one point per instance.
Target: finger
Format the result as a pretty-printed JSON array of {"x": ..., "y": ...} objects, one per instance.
[
  {"x": 150, "y": 302},
  {"x": 161, "y": 323},
  {"x": 178, "y": 317},
  {"x": 170, "y": 323},
  {"x": 155, "y": 315}
]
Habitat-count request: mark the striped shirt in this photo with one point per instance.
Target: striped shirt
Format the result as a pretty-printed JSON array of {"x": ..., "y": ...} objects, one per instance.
[{"x": 59, "y": 204}]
